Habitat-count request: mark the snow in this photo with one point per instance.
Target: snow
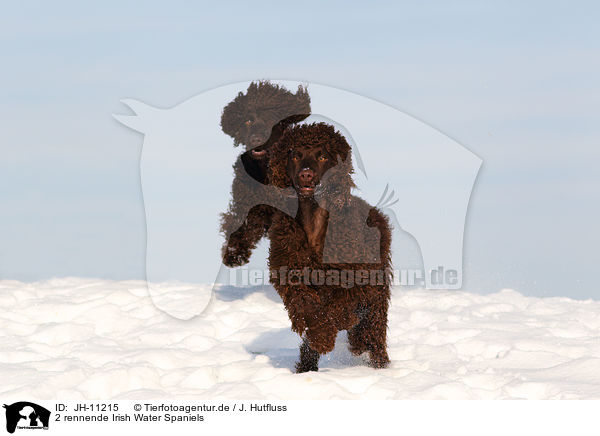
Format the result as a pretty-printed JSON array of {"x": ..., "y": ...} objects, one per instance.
[{"x": 72, "y": 339}]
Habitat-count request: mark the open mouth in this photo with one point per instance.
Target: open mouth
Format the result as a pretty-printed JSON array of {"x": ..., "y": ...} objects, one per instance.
[
  {"x": 259, "y": 153},
  {"x": 306, "y": 190},
  {"x": 309, "y": 190}
]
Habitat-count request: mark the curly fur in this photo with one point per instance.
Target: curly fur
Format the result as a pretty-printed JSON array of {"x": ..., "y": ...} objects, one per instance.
[
  {"x": 256, "y": 119},
  {"x": 332, "y": 232}
]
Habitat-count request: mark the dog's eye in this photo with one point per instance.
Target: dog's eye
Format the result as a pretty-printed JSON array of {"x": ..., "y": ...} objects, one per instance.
[
  {"x": 248, "y": 123},
  {"x": 295, "y": 158},
  {"x": 322, "y": 158}
]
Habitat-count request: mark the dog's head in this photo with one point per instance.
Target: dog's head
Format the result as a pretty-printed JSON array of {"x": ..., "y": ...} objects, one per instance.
[
  {"x": 316, "y": 161},
  {"x": 257, "y": 118}
]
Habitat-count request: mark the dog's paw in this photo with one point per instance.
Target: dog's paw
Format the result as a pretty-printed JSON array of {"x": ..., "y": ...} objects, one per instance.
[
  {"x": 306, "y": 367},
  {"x": 357, "y": 350},
  {"x": 235, "y": 256},
  {"x": 379, "y": 360}
]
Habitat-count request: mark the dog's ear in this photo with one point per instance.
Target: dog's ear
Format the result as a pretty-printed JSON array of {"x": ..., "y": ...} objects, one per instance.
[
  {"x": 340, "y": 175},
  {"x": 278, "y": 164},
  {"x": 231, "y": 118},
  {"x": 336, "y": 144},
  {"x": 340, "y": 183}
]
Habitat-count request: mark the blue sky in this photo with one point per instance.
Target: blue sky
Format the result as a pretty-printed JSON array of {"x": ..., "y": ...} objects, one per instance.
[{"x": 515, "y": 83}]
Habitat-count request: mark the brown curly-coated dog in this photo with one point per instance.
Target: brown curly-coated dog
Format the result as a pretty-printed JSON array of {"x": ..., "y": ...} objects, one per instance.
[
  {"x": 256, "y": 119},
  {"x": 330, "y": 263}
]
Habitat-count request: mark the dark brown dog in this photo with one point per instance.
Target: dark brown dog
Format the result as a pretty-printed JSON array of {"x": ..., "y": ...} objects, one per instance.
[
  {"x": 256, "y": 119},
  {"x": 334, "y": 235}
]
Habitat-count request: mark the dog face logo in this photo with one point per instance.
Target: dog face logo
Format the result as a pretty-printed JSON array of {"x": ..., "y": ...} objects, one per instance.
[
  {"x": 426, "y": 179},
  {"x": 26, "y": 415}
]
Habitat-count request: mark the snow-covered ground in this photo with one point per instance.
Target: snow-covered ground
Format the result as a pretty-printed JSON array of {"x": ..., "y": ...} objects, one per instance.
[{"x": 94, "y": 339}]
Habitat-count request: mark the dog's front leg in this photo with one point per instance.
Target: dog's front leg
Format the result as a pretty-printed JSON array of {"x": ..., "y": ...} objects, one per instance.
[{"x": 309, "y": 358}]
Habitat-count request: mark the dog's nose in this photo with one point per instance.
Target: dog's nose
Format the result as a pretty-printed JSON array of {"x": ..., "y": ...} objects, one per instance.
[{"x": 306, "y": 175}]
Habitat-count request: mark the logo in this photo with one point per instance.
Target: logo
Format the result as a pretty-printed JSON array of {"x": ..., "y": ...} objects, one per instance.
[{"x": 26, "y": 415}]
